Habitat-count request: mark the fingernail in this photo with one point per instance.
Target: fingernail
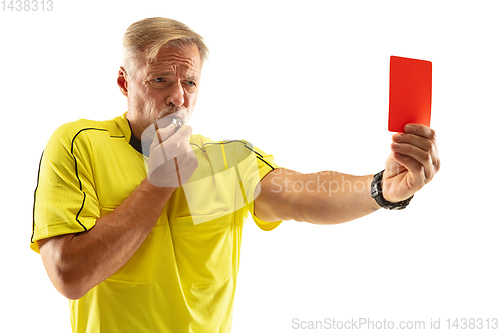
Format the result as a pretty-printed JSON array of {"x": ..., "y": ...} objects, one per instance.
[
  {"x": 396, "y": 145},
  {"x": 398, "y": 137},
  {"x": 410, "y": 128}
]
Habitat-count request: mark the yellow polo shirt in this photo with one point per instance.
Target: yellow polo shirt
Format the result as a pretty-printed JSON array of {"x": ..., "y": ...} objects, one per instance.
[{"x": 183, "y": 277}]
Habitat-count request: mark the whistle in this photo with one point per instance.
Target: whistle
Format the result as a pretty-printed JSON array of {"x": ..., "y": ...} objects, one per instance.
[{"x": 177, "y": 123}]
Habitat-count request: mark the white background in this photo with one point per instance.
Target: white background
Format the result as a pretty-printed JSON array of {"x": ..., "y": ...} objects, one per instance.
[{"x": 307, "y": 82}]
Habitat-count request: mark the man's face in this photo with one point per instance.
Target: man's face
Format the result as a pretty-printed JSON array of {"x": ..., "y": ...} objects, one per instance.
[{"x": 157, "y": 89}]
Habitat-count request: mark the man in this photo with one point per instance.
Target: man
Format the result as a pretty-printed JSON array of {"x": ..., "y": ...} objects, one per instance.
[{"x": 156, "y": 248}]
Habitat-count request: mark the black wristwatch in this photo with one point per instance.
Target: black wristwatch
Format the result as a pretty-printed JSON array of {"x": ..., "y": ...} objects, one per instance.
[{"x": 379, "y": 198}]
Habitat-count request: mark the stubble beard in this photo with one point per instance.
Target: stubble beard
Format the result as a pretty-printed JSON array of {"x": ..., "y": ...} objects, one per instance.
[
  {"x": 149, "y": 115},
  {"x": 168, "y": 110}
]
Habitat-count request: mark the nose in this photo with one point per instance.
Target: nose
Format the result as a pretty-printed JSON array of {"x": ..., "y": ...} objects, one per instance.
[{"x": 176, "y": 96}]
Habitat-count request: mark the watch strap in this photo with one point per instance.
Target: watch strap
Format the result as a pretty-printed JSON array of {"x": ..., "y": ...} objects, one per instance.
[{"x": 376, "y": 192}]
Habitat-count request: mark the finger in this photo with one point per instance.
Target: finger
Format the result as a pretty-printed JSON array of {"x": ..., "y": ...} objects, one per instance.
[
  {"x": 416, "y": 169},
  {"x": 420, "y": 130},
  {"x": 185, "y": 159},
  {"x": 165, "y": 133},
  {"x": 177, "y": 144},
  {"x": 161, "y": 135},
  {"x": 427, "y": 145},
  {"x": 393, "y": 167},
  {"x": 183, "y": 133},
  {"x": 187, "y": 165},
  {"x": 181, "y": 151},
  {"x": 422, "y": 157}
]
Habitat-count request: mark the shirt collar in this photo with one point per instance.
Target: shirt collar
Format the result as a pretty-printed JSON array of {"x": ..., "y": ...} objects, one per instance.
[
  {"x": 134, "y": 142},
  {"x": 124, "y": 126}
]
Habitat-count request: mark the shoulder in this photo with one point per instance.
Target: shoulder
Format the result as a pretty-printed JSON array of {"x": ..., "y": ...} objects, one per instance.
[
  {"x": 202, "y": 142},
  {"x": 69, "y": 131},
  {"x": 74, "y": 134},
  {"x": 236, "y": 150}
]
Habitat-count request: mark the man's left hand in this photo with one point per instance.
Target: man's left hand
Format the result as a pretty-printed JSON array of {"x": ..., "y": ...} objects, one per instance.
[{"x": 413, "y": 162}]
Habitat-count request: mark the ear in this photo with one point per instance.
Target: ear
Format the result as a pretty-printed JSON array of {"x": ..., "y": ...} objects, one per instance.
[{"x": 122, "y": 81}]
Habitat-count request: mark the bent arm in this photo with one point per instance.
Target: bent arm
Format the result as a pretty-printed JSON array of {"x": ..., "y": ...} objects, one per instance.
[
  {"x": 76, "y": 263},
  {"x": 321, "y": 198}
]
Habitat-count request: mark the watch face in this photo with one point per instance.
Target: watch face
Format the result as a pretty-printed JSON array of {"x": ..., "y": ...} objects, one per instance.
[{"x": 376, "y": 189}]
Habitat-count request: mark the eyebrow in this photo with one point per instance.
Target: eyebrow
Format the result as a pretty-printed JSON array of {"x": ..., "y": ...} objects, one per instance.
[{"x": 170, "y": 73}]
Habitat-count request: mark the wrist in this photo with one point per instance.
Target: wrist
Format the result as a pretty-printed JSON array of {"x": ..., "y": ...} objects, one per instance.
[
  {"x": 378, "y": 195},
  {"x": 153, "y": 191}
]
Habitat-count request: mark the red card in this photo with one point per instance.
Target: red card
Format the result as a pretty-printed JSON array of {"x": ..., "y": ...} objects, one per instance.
[{"x": 410, "y": 92}]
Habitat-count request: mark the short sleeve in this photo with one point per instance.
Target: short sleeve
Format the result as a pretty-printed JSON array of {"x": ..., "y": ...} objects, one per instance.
[
  {"x": 65, "y": 197},
  {"x": 266, "y": 164}
]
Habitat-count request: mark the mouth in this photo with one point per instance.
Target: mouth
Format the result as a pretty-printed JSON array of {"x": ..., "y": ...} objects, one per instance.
[
  {"x": 179, "y": 115},
  {"x": 178, "y": 118}
]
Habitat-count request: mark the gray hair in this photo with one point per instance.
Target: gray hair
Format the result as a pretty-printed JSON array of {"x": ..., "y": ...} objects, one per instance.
[{"x": 151, "y": 34}]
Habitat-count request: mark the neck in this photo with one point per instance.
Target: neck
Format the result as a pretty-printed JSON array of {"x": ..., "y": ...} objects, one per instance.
[{"x": 135, "y": 128}]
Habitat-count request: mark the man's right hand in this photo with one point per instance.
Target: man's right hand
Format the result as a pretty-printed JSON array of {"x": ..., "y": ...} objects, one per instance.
[{"x": 171, "y": 160}]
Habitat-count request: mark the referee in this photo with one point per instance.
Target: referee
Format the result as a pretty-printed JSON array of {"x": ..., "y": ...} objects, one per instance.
[{"x": 139, "y": 221}]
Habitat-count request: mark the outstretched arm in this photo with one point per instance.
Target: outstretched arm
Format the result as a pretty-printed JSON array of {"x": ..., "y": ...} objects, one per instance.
[
  {"x": 330, "y": 197},
  {"x": 325, "y": 197}
]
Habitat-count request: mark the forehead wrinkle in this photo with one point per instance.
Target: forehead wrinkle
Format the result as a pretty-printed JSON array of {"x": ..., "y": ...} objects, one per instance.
[
  {"x": 184, "y": 60},
  {"x": 187, "y": 74},
  {"x": 169, "y": 67},
  {"x": 170, "y": 60},
  {"x": 172, "y": 69}
]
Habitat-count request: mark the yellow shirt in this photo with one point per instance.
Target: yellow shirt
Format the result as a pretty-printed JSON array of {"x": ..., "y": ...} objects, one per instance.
[{"x": 183, "y": 277}]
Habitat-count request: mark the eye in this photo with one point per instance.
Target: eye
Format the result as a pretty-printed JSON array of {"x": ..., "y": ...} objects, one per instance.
[
  {"x": 191, "y": 83},
  {"x": 158, "y": 80}
]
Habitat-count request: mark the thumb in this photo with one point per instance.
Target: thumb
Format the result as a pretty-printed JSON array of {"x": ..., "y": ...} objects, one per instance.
[
  {"x": 162, "y": 134},
  {"x": 184, "y": 132}
]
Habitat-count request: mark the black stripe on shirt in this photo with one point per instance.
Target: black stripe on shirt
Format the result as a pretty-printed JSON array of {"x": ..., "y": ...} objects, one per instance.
[
  {"x": 259, "y": 156},
  {"x": 77, "y": 176},
  {"x": 34, "y": 200}
]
